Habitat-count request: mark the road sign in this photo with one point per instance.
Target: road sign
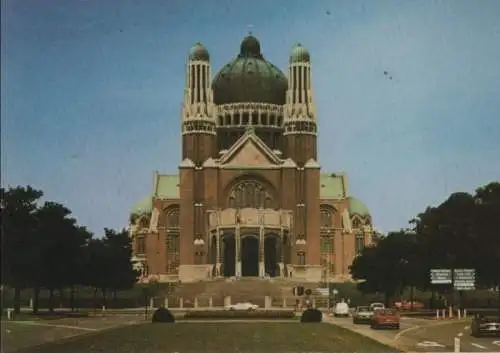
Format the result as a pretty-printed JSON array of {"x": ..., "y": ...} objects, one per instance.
[
  {"x": 464, "y": 279},
  {"x": 441, "y": 276}
]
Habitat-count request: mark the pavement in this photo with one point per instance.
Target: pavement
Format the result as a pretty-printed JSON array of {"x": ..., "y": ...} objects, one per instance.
[{"x": 422, "y": 335}]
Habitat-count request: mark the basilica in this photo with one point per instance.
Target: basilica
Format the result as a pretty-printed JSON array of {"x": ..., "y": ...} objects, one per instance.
[{"x": 250, "y": 198}]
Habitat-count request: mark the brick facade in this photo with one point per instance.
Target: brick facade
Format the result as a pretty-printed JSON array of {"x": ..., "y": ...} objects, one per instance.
[{"x": 250, "y": 197}]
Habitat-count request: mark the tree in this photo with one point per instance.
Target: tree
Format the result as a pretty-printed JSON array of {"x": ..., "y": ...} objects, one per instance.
[
  {"x": 97, "y": 272},
  {"x": 20, "y": 257},
  {"x": 386, "y": 267},
  {"x": 119, "y": 251},
  {"x": 487, "y": 200},
  {"x": 60, "y": 244}
]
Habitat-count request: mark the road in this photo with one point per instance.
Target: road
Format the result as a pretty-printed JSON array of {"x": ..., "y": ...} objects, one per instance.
[{"x": 423, "y": 335}]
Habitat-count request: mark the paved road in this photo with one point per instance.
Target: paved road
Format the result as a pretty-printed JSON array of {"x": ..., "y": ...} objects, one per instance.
[{"x": 421, "y": 335}]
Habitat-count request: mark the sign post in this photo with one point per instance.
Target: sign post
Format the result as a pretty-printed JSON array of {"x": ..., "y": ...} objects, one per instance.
[
  {"x": 441, "y": 276},
  {"x": 464, "y": 279}
]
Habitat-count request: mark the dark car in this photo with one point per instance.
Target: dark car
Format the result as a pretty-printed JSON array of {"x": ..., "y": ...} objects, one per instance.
[{"x": 485, "y": 325}]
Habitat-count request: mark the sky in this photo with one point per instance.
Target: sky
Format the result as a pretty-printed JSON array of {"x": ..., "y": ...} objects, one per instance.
[{"x": 92, "y": 89}]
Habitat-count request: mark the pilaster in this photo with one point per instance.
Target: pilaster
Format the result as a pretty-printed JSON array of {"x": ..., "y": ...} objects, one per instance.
[
  {"x": 187, "y": 210},
  {"x": 312, "y": 197}
]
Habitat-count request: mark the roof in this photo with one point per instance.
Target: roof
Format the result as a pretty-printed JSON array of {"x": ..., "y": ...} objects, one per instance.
[
  {"x": 357, "y": 207},
  {"x": 198, "y": 53},
  {"x": 300, "y": 54},
  {"x": 250, "y": 78},
  {"x": 166, "y": 186},
  {"x": 333, "y": 186},
  {"x": 144, "y": 206}
]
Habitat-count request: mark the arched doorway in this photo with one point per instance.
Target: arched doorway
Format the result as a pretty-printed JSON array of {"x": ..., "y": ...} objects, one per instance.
[
  {"x": 229, "y": 251},
  {"x": 270, "y": 255},
  {"x": 250, "y": 256}
]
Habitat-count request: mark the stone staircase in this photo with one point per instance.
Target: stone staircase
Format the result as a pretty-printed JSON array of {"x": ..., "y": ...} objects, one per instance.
[{"x": 247, "y": 289}]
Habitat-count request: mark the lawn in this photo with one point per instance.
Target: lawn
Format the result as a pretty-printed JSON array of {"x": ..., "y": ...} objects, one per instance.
[{"x": 217, "y": 337}]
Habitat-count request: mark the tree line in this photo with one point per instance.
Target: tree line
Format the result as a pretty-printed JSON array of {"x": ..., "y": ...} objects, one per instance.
[
  {"x": 43, "y": 247},
  {"x": 462, "y": 232}
]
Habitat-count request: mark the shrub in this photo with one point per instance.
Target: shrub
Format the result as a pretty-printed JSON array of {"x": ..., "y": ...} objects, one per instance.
[
  {"x": 235, "y": 314},
  {"x": 311, "y": 315},
  {"x": 163, "y": 315}
]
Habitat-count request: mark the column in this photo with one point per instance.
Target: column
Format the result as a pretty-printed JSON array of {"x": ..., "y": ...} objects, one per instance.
[
  {"x": 218, "y": 254},
  {"x": 237, "y": 239},
  {"x": 262, "y": 268}
]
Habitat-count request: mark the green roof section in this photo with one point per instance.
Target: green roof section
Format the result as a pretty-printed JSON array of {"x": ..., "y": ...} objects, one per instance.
[
  {"x": 167, "y": 186},
  {"x": 250, "y": 78},
  {"x": 143, "y": 207},
  {"x": 357, "y": 207},
  {"x": 332, "y": 186},
  {"x": 199, "y": 53},
  {"x": 300, "y": 55}
]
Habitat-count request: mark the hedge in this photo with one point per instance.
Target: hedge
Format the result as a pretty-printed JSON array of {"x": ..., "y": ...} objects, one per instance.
[{"x": 235, "y": 314}]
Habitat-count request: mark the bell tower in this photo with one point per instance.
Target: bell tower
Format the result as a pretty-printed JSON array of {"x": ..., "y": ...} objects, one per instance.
[
  {"x": 198, "y": 122},
  {"x": 300, "y": 113},
  {"x": 301, "y": 146},
  {"x": 198, "y": 145}
]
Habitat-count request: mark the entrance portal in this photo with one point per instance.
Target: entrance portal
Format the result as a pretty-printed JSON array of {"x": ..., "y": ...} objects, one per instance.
[
  {"x": 229, "y": 266},
  {"x": 249, "y": 256},
  {"x": 270, "y": 256}
]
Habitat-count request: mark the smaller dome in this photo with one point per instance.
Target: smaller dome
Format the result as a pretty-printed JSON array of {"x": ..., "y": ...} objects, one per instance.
[
  {"x": 358, "y": 207},
  {"x": 143, "y": 207},
  {"x": 299, "y": 54},
  {"x": 199, "y": 53},
  {"x": 250, "y": 47}
]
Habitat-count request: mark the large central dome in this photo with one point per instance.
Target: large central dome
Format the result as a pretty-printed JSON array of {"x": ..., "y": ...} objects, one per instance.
[{"x": 250, "y": 78}]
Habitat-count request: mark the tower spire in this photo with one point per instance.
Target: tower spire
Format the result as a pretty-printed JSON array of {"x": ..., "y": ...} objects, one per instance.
[
  {"x": 198, "y": 119},
  {"x": 300, "y": 113}
]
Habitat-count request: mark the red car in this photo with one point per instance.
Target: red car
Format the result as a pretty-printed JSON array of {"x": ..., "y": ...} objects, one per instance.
[
  {"x": 407, "y": 305},
  {"x": 385, "y": 318}
]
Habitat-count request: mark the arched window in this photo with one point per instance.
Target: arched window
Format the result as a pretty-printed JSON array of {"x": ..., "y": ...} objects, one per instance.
[
  {"x": 144, "y": 222},
  {"x": 360, "y": 243},
  {"x": 356, "y": 223},
  {"x": 173, "y": 217},
  {"x": 249, "y": 193},
  {"x": 326, "y": 217}
]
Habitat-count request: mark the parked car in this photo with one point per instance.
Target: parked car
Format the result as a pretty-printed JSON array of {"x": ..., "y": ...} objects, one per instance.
[
  {"x": 408, "y": 305},
  {"x": 377, "y": 306},
  {"x": 385, "y": 318},
  {"x": 246, "y": 306},
  {"x": 362, "y": 315},
  {"x": 341, "y": 309},
  {"x": 485, "y": 325}
]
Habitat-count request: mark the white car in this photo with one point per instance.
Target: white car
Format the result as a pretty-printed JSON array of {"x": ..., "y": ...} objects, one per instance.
[
  {"x": 246, "y": 306},
  {"x": 341, "y": 309},
  {"x": 377, "y": 306}
]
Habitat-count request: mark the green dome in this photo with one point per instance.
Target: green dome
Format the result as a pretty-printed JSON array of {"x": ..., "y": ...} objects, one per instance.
[
  {"x": 143, "y": 207},
  {"x": 357, "y": 207},
  {"x": 299, "y": 54},
  {"x": 250, "y": 78},
  {"x": 199, "y": 53}
]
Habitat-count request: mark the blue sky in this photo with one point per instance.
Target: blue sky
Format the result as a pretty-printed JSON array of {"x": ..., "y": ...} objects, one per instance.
[{"x": 91, "y": 94}]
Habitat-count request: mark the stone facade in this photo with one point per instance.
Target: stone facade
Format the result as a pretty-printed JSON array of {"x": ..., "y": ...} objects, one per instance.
[{"x": 250, "y": 198}]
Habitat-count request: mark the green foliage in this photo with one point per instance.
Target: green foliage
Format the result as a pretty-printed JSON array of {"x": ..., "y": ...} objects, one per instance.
[
  {"x": 163, "y": 315},
  {"x": 237, "y": 314},
  {"x": 311, "y": 315},
  {"x": 462, "y": 232},
  {"x": 48, "y": 249}
]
